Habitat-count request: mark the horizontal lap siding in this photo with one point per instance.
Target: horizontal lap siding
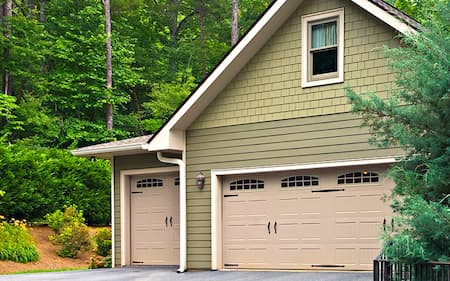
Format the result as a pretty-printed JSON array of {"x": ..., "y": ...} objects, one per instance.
[
  {"x": 294, "y": 141},
  {"x": 121, "y": 163}
]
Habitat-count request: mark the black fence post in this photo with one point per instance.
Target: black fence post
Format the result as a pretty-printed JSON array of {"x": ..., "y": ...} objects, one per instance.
[{"x": 376, "y": 270}]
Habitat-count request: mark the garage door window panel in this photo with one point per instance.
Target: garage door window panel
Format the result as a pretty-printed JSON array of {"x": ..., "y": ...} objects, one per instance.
[
  {"x": 363, "y": 177},
  {"x": 299, "y": 181},
  {"x": 246, "y": 184},
  {"x": 149, "y": 183}
]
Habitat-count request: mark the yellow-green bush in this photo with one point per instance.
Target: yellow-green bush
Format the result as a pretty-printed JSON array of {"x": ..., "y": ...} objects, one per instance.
[
  {"x": 16, "y": 244},
  {"x": 70, "y": 232},
  {"x": 102, "y": 239}
]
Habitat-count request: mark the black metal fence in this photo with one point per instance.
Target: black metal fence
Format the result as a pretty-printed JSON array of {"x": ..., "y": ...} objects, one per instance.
[{"x": 384, "y": 270}]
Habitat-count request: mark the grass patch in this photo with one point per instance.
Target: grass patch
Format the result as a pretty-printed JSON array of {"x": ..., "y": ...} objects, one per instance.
[{"x": 48, "y": 270}]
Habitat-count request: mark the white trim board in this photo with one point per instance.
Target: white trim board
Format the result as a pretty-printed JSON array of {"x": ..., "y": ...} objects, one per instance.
[
  {"x": 216, "y": 193},
  {"x": 113, "y": 221},
  {"x": 318, "y": 165},
  {"x": 385, "y": 17},
  {"x": 125, "y": 227}
]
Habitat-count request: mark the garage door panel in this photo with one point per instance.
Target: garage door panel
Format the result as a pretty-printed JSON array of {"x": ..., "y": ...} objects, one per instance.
[
  {"x": 154, "y": 220},
  {"x": 311, "y": 230},
  {"x": 366, "y": 254},
  {"x": 346, "y": 230},
  {"x": 346, "y": 256},
  {"x": 312, "y": 254},
  {"x": 370, "y": 229}
]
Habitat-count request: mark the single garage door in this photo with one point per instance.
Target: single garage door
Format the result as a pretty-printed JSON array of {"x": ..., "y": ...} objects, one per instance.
[
  {"x": 154, "y": 220},
  {"x": 324, "y": 219}
]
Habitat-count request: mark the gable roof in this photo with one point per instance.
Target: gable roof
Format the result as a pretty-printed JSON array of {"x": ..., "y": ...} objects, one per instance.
[{"x": 171, "y": 135}]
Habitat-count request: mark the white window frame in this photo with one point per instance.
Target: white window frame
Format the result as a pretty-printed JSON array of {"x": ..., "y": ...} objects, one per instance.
[{"x": 322, "y": 79}]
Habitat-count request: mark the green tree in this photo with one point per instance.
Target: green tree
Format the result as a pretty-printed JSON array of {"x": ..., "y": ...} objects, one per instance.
[
  {"x": 420, "y": 10},
  {"x": 77, "y": 71},
  {"x": 416, "y": 118},
  {"x": 165, "y": 99}
]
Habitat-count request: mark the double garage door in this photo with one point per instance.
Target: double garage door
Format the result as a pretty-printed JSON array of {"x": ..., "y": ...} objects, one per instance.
[{"x": 324, "y": 219}]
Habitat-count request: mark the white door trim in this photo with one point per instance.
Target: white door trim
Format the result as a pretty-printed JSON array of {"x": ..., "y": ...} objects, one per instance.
[
  {"x": 125, "y": 210},
  {"x": 216, "y": 193}
]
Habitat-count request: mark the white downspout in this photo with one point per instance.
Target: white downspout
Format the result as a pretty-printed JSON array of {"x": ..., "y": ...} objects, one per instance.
[
  {"x": 183, "y": 239},
  {"x": 113, "y": 214}
]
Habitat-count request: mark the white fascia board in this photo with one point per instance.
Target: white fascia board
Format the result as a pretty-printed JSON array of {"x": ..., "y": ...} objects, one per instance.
[
  {"x": 320, "y": 165},
  {"x": 106, "y": 150},
  {"x": 385, "y": 17},
  {"x": 166, "y": 140}
]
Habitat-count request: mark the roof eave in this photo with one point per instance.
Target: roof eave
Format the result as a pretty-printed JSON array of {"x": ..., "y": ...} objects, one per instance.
[{"x": 112, "y": 150}]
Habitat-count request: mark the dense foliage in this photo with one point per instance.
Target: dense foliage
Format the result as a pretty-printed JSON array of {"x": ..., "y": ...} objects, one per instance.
[
  {"x": 53, "y": 90},
  {"x": 416, "y": 118},
  {"x": 54, "y": 53},
  {"x": 71, "y": 234},
  {"x": 16, "y": 244},
  {"x": 41, "y": 180}
]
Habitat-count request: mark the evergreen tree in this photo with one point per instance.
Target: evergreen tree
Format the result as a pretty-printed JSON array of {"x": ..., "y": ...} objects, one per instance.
[{"x": 417, "y": 118}]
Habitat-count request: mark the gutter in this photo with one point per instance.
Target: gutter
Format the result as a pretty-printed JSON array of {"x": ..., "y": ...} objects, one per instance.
[
  {"x": 183, "y": 239},
  {"x": 105, "y": 150}
]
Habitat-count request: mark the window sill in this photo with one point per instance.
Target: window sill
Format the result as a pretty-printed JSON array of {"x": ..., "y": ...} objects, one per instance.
[{"x": 308, "y": 84}]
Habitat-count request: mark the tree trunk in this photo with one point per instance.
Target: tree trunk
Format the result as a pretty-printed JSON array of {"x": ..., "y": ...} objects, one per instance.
[
  {"x": 173, "y": 25},
  {"x": 7, "y": 14},
  {"x": 42, "y": 11},
  {"x": 234, "y": 22},
  {"x": 138, "y": 111},
  {"x": 109, "y": 107},
  {"x": 202, "y": 14}
]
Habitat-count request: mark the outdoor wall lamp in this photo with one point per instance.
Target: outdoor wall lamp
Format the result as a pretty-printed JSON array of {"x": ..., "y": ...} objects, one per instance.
[{"x": 200, "y": 181}]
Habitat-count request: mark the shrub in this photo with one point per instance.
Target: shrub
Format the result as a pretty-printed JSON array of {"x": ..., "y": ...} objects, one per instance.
[
  {"x": 38, "y": 181},
  {"x": 73, "y": 239},
  {"x": 58, "y": 219},
  {"x": 102, "y": 239},
  {"x": 70, "y": 232},
  {"x": 16, "y": 244}
]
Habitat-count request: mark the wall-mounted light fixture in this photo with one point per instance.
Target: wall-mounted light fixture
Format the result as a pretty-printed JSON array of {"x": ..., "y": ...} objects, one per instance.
[{"x": 200, "y": 181}]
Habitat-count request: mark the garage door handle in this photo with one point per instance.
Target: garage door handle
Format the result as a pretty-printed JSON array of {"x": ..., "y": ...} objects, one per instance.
[
  {"x": 170, "y": 221},
  {"x": 275, "y": 227},
  {"x": 166, "y": 221},
  {"x": 268, "y": 227}
]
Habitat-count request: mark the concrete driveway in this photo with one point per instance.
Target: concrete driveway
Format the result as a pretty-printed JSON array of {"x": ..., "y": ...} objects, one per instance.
[{"x": 169, "y": 274}]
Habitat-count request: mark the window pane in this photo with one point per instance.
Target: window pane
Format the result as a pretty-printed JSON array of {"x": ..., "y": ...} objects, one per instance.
[
  {"x": 324, "y": 61},
  {"x": 324, "y": 34}
]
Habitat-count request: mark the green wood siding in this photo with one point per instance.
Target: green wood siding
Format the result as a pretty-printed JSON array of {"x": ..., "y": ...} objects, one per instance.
[
  {"x": 293, "y": 141},
  {"x": 141, "y": 161},
  {"x": 269, "y": 87},
  {"x": 264, "y": 117}
]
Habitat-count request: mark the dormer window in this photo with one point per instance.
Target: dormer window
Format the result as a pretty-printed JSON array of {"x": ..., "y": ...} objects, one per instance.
[{"x": 323, "y": 48}]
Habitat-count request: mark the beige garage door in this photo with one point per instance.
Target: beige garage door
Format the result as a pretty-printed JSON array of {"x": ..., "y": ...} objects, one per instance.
[
  {"x": 154, "y": 220},
  {"x": 319, "y": 219}
]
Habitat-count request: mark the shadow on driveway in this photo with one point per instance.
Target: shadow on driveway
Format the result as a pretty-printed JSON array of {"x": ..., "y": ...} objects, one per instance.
[{"x": 169, "y": 274}]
